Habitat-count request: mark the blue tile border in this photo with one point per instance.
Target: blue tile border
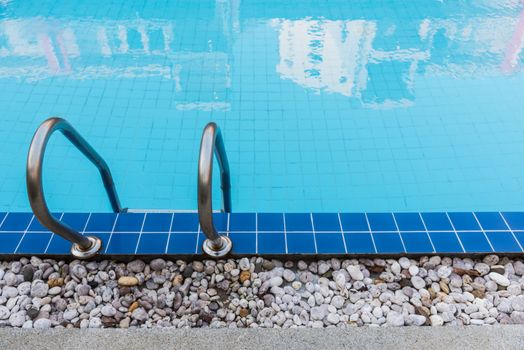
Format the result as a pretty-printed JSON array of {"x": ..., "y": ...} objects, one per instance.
[{"x": 276, "y": 233}]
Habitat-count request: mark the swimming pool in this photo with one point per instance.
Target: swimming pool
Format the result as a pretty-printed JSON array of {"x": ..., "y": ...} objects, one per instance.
[{"x": 325, "y": 106}]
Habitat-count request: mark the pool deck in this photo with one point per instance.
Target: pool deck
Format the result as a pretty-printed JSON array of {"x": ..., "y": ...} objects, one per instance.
[{"x": 471, "y": 337}]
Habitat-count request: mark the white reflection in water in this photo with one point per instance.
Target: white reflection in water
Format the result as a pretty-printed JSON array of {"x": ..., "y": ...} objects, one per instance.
[{"x": 345, "y": 56}]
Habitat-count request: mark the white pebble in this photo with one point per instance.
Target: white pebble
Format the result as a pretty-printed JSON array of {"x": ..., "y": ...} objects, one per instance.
[
  {"x": 436, "y": 320},
  {"x": 418, "y": 282},
  {"x": 413, "y": 270},
  {"x": 499, "y": 279},
  {"x": 355, "y": 273}
]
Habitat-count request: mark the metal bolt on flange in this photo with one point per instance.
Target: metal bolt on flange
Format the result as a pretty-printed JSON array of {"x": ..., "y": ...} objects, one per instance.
[
  {"x": 80, "y": 253},
  {"x": 218, "y": 248}
]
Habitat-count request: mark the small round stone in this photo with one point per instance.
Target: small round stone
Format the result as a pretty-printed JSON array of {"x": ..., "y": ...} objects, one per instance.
[
  {"x": 79, "y": 271},
  {"x": 128, "y": 281},
  {"x": 337, "y": 301},
  {"x": 54, "y": 291},
  {"x": 42, "y": 323},
  {"x": 395, "y": 319},
  {"x": 17, "y": 319},
  {"x": 10, "y": 279},
  {"x": 39, "y": 289},
  {"x": 404, "y": 262},
  {"x": 289, "y": 275},
  {"x": 396, "y": 268},
  {"x": 333, "y": 318},
  {"x": 355, "y": 273},
  {"x": 418, "y": 282},
  {"x": 244, "y": 264},
  {"x": 95, "y": 322},
  {"x": 491, "y": 259},
  {"x": 9, "y": 292},
  {"x": 413, "y": 270},
  {"x": 4, "y": 313},
  {"x": 276, "y": 281},
  {"x": 244, "y": 276},
  {"x": 436, "y": 320},
  {"x": 157, "y": 264},
  {"x": 444, "y": 271},
  {"x": 198, "y": 266},
  {"x": 70, "y": 314},
  {"x": 108, "y": 310},
  {"x": 499, "y": 279},
  {"x": 28, "y": 272},
  {"x": 136, "y": 266},
  {"x": 139, "y": 314}
]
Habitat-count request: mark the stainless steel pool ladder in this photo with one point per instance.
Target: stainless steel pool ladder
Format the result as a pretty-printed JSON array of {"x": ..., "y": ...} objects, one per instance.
[
  {"x": 87, "y": 246},
  {"x": 83, "y": 246},
  {"x": 212, "y": 142}
]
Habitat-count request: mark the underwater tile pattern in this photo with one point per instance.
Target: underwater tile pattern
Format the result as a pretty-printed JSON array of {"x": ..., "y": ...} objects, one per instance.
[
  {"x": 275, "y": 233},
  {"x": 325, "y": 105}
]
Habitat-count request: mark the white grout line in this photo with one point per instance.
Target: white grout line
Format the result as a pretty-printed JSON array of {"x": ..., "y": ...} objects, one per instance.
[
  {"x": 169, "y": 233},
  {"x": 371, "y": 233},
  {"x": 5, "y": 217},
  {"x": 85, "y": 225},
  {"x": 112, "y": 230},
  {"x": 285, "y": 234},
  {"x": 456, "y": 234},
  {"x": 342, "y": 233},
  {"x": 366, "y": 231},
  {"x": 52, "y": 236},
  {"x": 314, "y": 235},
  {"x": 256, "y": 233},
  {"x": 398, "y": 231},
  {"x": 427, "y": 233},
  {"x": 140, "y": 235},
  {"x": 513, "y": 233},
  {"x": 227, "y": 225},
  {"x": 25, "y": 231},
  {"x": 485, "y": 235},
  {"x": 198, "y": 237}
]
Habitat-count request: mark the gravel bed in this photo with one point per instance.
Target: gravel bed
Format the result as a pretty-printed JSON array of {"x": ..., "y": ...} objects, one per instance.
[{"x": 44, "y": 293}]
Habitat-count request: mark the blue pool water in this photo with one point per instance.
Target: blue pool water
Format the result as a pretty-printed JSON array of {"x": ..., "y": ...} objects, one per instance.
[{"x": 325, "y": 106}]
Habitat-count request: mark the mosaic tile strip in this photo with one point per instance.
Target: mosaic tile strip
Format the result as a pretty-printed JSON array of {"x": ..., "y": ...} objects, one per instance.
[{"x": 275, "y": 233}]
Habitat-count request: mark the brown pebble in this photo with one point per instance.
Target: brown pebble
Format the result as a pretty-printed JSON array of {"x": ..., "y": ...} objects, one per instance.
[
  {"x": 133, "y": 306},
  {"x": 245, "y": 276},
  {"x": 177, "y": 280},
  {"x": 243, "y": 312},
  {"x": 422, "y": 310},
  {"x": 127, "y": 281},
  {"x": 444, "y": 287},
  {"x": 376, "y": 269},
  {"x": 55, "y": 282},
  {"x": 462, "y": 272},
  {"x": 108, "y": 321},
  {"x": 432, "y": 293},
  {"x": 478, "y": 293}
]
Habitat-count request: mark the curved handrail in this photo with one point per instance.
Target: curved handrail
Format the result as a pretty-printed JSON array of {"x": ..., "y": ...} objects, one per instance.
[
  {"x": 83, "y": 246},
  {"x": 212, "y": 143}
]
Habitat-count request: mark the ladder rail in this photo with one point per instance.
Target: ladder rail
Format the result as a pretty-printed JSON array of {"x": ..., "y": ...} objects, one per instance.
[
  {"x": 83, "y": 246},
  {"x": 212, "y": 144}
]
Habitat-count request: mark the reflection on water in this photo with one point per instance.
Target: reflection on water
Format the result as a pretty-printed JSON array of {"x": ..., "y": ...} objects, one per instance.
[
  {"x": 346, "y": 57},
  {"x": 37, "y": 48}
]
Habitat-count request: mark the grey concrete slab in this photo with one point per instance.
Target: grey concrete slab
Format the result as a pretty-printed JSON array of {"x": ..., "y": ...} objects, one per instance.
[{"x": 488, "y": 337}]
